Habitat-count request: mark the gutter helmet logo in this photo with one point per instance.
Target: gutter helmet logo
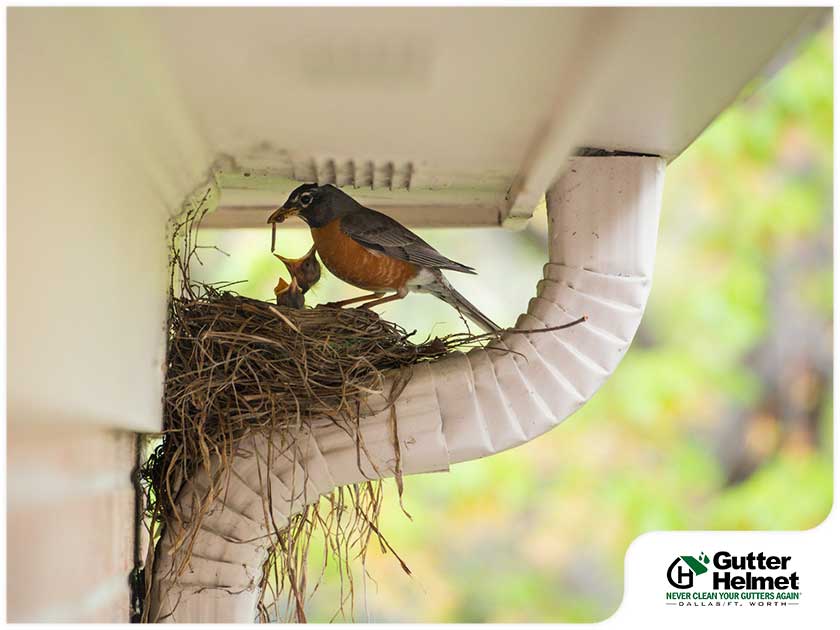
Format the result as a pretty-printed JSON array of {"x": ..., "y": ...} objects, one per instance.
[{"x": 682, "y": 570}]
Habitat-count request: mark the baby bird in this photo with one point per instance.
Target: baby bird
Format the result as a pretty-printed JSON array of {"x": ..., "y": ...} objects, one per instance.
[
  {"x": 306, "y": 269},
  {"x": 288, "y": 294}
]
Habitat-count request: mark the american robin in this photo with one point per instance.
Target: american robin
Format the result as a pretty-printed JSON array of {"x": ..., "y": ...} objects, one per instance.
[
  {"x": 372, "y": 251},
  {"x": 306, "y": 269},
  {"x": 288, "y": 294}
]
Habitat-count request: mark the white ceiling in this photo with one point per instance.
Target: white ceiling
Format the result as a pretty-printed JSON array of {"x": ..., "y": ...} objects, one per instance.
[{"x": 452, "y": 115}]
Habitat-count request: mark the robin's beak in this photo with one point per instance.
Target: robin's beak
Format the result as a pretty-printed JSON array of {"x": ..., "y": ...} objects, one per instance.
[{"x": 282, "y": 213}]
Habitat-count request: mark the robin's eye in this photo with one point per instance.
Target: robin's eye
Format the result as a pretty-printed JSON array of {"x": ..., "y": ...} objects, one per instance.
[{"x": 305, "y": 199}]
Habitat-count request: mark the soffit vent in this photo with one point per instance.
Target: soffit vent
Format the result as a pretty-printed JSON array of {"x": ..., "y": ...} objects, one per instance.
[{"x": 355, "y": 173}]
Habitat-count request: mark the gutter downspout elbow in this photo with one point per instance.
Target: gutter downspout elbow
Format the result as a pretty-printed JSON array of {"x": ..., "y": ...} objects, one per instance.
[{"x": 603, "y": 217}]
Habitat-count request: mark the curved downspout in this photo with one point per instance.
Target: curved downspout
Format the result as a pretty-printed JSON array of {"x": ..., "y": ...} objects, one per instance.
[{"x": 603, "y": 215}]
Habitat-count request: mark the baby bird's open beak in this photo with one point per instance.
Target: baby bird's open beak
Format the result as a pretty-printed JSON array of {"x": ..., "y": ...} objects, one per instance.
[
  {"x": 282, "y": 213},
  {"x": 282, "y": 287},
  {"x": 288, "y": 294}
]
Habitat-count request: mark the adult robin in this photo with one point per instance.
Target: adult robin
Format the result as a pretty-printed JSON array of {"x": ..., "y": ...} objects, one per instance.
[
  {"x": 288, "y": 293},
  {"x": 372, "y": 251},
  {"x": 306, "y": 269}
]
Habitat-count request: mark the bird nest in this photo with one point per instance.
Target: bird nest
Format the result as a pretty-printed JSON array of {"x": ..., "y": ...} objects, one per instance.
[{"x": 237, "y": 366}]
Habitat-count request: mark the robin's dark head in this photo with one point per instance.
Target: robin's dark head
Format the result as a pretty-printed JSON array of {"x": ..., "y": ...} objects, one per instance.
[{"x": 317, "y": 205}]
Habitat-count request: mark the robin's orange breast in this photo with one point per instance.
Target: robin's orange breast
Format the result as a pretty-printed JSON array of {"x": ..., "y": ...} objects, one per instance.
[{"x": 354, "y": 264}]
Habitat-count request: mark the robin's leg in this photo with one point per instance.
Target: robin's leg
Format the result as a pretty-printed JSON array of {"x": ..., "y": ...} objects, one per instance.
[
  {"x": 390, "y": 298},
  {"x": 361, "y": 298}
]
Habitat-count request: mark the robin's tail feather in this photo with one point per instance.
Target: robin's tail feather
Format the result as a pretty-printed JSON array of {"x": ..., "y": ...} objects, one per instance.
[{"x": 446, "y": 292}]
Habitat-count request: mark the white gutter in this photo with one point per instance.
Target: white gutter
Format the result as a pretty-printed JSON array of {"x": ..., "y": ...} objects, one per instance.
[{"x": 603, "y": 215}]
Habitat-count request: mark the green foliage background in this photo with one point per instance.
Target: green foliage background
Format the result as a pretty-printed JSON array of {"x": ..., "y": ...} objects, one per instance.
[{"x": 718, "y": 418}]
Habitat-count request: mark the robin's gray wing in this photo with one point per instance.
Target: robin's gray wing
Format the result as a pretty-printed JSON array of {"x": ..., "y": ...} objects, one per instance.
[{"x": 380, "y": 233}]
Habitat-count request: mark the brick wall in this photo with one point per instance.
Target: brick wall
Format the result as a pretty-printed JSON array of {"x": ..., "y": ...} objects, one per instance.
[{"x": 70, "y": 531}]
